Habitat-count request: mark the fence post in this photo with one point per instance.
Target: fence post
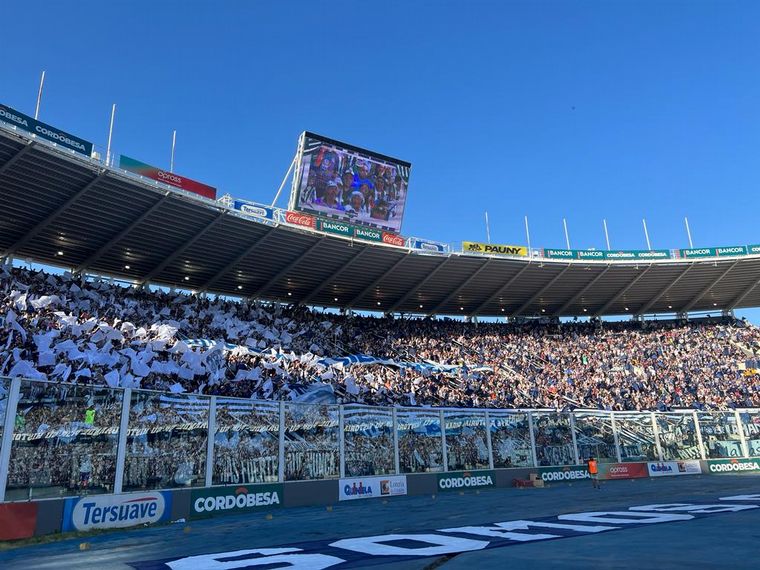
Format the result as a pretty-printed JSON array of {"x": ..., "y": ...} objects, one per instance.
[
  {"x": 576, "y": 454},
  {"x": 617, "y": 439},
  {"x": 281, "y": 445},
  {"x": 656, "y": 433},
  {"x": 342, "y": 441},
  {"x": 532, "y": 439},
  {"x": 701, "y": 444},
  {"x": 740, "y": 427},
  {"x": 396, "y": 455},
  {"x": 210, "y": 442},
  {"x": 121, "y": 450},
  {"x": 488, "y": 440},
  {"x": 8, "y": 425},
  {"x": 443, "y": 442}
]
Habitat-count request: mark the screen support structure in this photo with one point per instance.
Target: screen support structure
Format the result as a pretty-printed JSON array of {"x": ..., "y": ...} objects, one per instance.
[{"x": 285, "y": 179}]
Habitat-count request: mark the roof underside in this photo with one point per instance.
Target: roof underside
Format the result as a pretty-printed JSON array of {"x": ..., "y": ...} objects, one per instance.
[{"x": 105, "y": 220}]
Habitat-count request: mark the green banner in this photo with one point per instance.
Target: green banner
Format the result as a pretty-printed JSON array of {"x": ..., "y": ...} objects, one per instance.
[
  {"x": 593, "y": 254},
  {"x": 699, "y": 252},
  {"x": 616, "y": 255},
  {"x": 236, "y": 499},
  {"x": 335, "y": 227},
  {"x": 731, "y": 250},
  {"x": 560, "y": 253},
  {"x": 458, "y": 480},
  {"x": 369, "y": 234},
  {"x": 735, "y": 465},
  {"x": 636, "y": 254},
  {"x": 753, "y": 249},
  {"x": 566, "y": 473}
]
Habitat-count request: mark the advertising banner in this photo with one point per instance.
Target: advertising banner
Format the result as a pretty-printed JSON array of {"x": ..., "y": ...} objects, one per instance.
[
  {"x": 615, "y": 255},
  {"x": 566, "y": 473},
  {"x": 753, "y": 249},
  {"x": 349, "y": 184},
  {"x": 170, "y": 178},
  {"x": 458, "y": 480},
  {"x": 393, "y": 239},
  {"x": 560, "y": 254},
  {"x": 731, "y": 250},
  {"x": 590, "y": 254},
  {"x": 371, "y": 487},
  {"x": 253, "y": 209},
  {"x": 17, "y": 520},
  {"x": 622, "y": 470},
  {"x": 670, "y": 468},
  {"x": 494, "y": 248},
  {"x": 235, "y": 499},
  {"x": 426, "y": 245},
  {"x": 734, "y": 465},
  {"x": 369, "y": 234},
  {"x": 335, "y": 227},
  {"x": 116, "y": 511},
  {"x": 636, "y": 254},
  {"x": 299, "y": 219},
  {"x": 31, "y": 125},
  {"x": 698, "y": 252}
]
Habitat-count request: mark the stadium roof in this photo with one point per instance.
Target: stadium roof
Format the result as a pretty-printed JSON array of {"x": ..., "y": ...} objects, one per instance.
[{"x": 61, "y": 208}]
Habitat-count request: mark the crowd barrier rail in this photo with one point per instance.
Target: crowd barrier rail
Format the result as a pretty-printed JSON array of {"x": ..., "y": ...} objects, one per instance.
[{"x": 61, "y": 440}]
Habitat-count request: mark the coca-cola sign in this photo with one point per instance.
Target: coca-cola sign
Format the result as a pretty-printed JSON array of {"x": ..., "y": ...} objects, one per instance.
[
  {"x": 298, "y": 219},
  {"x": 393, "y": 239}
]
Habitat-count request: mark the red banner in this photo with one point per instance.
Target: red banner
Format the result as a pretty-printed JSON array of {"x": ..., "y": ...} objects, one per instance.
[
  {"x": 299, "y": 219},
  {"x": 393, "y": 239},
  {"x": 167, "y": 177},
  {"x": 17, "y": 520},
  {"x": 623, "y": 470}
]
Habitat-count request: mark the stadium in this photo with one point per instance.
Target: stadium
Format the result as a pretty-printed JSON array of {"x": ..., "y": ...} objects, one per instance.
[{"x": 195, "y": 379}]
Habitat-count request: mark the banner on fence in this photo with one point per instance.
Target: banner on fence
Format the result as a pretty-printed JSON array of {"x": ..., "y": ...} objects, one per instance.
[
  {"x": 253, "y": 209},
  {"x": 371, "y": 487},
  {"x": 459, "y": 480},
  {"x": 622, "y": 470},
  {"x": 48, "y": 132},
  {"x": 116, "y": 511},
  {"x": 494, "y": 248},
  {"x": 235, "y": 499},
  {"x": 670, "y": 468},
  {"x": 426, "y": 245},
  {"x": 734, "y": 465},
  {"x": 170, "y": 178},
  {"x": 564, "y": 473}
]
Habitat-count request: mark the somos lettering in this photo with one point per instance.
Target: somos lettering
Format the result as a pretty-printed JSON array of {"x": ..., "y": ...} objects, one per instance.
[
  {"x": 117, "y": 511},
  {"x": 242, "y": 499}
]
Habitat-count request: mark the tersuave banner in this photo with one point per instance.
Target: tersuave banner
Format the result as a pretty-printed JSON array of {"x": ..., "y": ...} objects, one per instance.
[
  {"x": 371, "y": 487},
  {"x": 169, "y": 178},
  {"x": 254, "y": 209},
  {"x": 116, "y": 511},
  {"x": 494, "y": 248},
  {"x": 615, "y": 255},
  {"x": 10, "y": 115}
]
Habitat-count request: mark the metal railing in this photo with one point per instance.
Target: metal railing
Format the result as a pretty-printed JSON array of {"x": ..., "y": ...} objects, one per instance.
[{"x": 67, "y": 439}]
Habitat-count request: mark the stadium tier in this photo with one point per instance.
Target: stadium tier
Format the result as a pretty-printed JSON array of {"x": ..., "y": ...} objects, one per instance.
[{"x": 61, "y": 207}]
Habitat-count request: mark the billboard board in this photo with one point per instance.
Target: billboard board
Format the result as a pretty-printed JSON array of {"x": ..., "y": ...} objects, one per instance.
[
  {"x": 53, "y": 134},
  {"x": 170, "y": 178},
  {"x": 349, "y": 184}
]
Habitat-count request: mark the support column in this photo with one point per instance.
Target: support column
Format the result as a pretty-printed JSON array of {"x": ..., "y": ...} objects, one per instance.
[
  {"x": 575, "y": 443},
  {"x": 210, "y": 442},
  {"x": 656, "y": 432},
  {"x": 281, "y": 446},
  {"x": 699, "y": 436},
  {"x": 532, "y": 439},
  {"x": 443, "y": 442},
  {"x": 121, "y": 450},
  {"x": 740, "y": 427},
  {"x": 396, "y": 458},
  {"x": 8, "y": 425},
  {"x": 617, "y": 439},
  {"x": 342, "y": 441},
  {"x": 488, "y": 440}
]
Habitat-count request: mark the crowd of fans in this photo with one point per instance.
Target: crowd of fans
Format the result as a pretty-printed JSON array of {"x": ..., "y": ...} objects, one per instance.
[{"x": 65, "y": 328}]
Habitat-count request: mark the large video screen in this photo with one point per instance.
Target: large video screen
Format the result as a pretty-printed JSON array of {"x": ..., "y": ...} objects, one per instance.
[{"x": 340, "y": 181}]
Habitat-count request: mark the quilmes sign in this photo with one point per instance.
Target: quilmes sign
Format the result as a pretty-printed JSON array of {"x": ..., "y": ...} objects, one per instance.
[
  {"x": 166, "y": 177},
  {"x": 566, "y": 473},
  {"x": 671, "y": 468},
  {"x": 10, "y": 115},
  {"x": 735, "y": 465},
  {"x": 216, "y": 500},
  {"x": 371, "y": 487},
  {"x": 494, "y": 248},
  {"x": 456, "y": 481},
  {"x": 116, "y": 511}
]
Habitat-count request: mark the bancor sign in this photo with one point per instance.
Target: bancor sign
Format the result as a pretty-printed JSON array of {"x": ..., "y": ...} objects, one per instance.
[
  {"x": 116, "y": 511},
  {"x": 465, "y": 480}
]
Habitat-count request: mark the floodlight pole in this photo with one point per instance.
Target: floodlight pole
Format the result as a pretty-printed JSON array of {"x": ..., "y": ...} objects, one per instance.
[
  {"x": 646, "y": 235},
  {"x": 567, "y": 235},
  {"x": 688, "y": 232},
  {"x": 39, "y": 96},
  {"x": 488, "y": 229},
  {"x": 606, "y": 234},
  {"x": 110, "y": 134},
  {"x": 174, "y": 143},
  {"x": 527, "y": 235},
  {"x": 284, "y": 180}
]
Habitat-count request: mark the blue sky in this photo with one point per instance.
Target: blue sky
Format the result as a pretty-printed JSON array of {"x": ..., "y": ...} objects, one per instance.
[{"x": 582, "y": 110}]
